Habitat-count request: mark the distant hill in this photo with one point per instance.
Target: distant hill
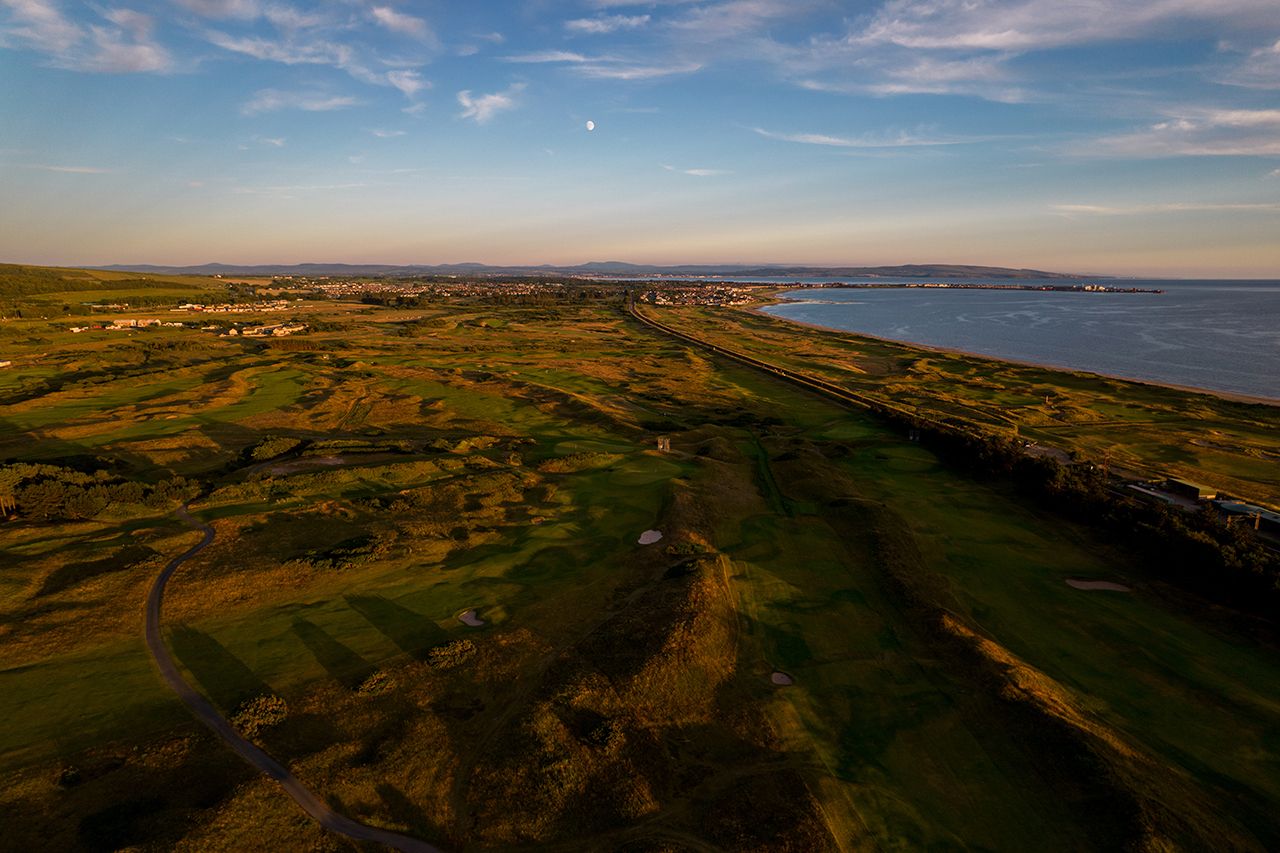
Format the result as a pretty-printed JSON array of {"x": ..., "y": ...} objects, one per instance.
[{"x": 605, "y": 268}]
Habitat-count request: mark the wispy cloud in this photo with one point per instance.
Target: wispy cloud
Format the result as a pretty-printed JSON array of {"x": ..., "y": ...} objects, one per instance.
[
  {"x": 272, "y": 100},
  {"x": 900, "y": 139},
  {"x": 243, "y": 9},
  {"x": 387, "y": 134},
  {"x": 289, "y": 191},
  {"x": 548, "y": 56},
  {"x": 628, "y": 71},
  {"x": 1196, "y": 132},
  {"x": 71, "y": 170},
  {"x": 729, "y": 20},
  {"x": 408, "y": 81},
  {"x": 122, "y": 43},
  {"x": 306, "y": 38},
  {"x": 399, "y": 22},
  {"x": 1173, "y": 207},
  {"x": 606, "y": 67},
  {"x": 697, "y": 173},
  {"x": 1021, "y": 25},
  {"x": 1260, "y": 69},
  {"x": 482, "y": 108},
  {"x": 605, "y": 24}
]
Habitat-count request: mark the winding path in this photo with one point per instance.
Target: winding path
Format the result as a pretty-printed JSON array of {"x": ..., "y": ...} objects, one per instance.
[{"x": 204, "y": 711}]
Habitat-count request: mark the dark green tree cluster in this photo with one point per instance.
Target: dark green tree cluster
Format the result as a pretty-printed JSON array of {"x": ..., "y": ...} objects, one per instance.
[{"x": 52, "y": 492}]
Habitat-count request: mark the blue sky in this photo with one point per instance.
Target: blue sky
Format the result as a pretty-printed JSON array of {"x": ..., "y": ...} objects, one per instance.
[{"x": 1093, "y": 136}]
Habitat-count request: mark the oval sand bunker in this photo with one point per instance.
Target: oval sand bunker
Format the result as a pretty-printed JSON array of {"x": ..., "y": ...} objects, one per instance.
[
  {"x": 649, "y": 537},
  {"x": 469, "y": 618},
  {"x": 781, "y": 679},
  {"x": 1105, "y": 585}
]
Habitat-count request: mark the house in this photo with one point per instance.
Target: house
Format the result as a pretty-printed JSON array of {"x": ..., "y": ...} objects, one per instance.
[
  {"x": 1193, "y": 491},
  {"x": 1257, "y": 517}
]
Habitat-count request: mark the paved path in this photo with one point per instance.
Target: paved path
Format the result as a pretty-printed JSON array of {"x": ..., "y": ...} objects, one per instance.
[{"x": 207, "y": 714}]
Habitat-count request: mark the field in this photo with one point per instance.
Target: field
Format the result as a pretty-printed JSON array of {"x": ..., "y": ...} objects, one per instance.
[{"x": 372, "y": 480}]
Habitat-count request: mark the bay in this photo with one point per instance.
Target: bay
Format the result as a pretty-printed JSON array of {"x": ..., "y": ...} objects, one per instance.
[{"x": 1217, "y": 335}]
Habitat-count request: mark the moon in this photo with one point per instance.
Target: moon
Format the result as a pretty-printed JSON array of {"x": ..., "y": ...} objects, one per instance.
[{"x": 591, "y": 125}]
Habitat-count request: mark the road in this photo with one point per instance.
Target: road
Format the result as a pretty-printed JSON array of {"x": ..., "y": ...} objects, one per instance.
[{"x": 203, "y": 710}]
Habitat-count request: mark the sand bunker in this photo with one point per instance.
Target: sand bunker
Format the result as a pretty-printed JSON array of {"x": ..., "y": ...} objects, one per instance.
[
  {"x": 649, "y": 537},
  {"x": 1107, "y": 585},
  {"x": 469, "y": 618},
  {"x": 781, "y": 679}
]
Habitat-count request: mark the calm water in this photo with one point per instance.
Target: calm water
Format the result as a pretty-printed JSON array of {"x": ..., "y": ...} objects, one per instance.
[{"x": 1219, "y": 335}]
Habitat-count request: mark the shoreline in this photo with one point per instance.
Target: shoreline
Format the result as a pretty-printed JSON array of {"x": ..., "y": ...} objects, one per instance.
[{"x": 1231, "y": 396}]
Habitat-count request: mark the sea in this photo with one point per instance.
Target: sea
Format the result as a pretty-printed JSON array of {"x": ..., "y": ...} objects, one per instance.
[{"x": 1220, "y": 336}]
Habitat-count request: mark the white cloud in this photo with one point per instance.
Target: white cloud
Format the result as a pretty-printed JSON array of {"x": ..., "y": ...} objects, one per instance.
[
  {"x": 408, "y": 81},
  {"x": 901, "y": 139},
  {"x": 482, "y": 108},
  {"x": 732, "y": 19},
  {"x": 292, "y": 50},
  {"x": 243, "y": 9},
  {"x": 547, "y": 56},
  {"x": 288, "y": 191},
  {"x": 622, "y": 71},
  {"x": 387, "y": 134},
  {"x": 71, "y": 170},
  {"x": 41, "y": 25},
  {"x": 606, "y": 67},
  {"x": 973, "y": 47},
  {"x": 1274, "y": 173},
  {"x": 1174, "y": 207},
  {"x": 1197, "y": 132},
  {"x": 118, "y": 54},
  {"x": 289, "y": 19},
  {"x": 1022, "y": 25},
  {"x": 121, "y": 44},
  {"x": 288, "y": 52},
  {"x": 1259, "y": 70},
  {"x": 272, "y": 100},
  {"x": 399, "y": 22},
  {"x": 697, "y": 173},
  {"x": 605, "y": 24},
  {"x": 273, "y": 141}
]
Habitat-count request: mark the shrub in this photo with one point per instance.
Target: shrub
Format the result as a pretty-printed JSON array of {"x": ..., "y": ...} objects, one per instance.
[
  {"x": 259, "y": 714},
  {"x": 452, "y": 654}
]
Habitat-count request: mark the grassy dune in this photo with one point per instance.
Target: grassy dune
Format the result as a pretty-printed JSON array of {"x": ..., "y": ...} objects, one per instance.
[
  {"x": 1155, "y": 431},
  {"x": 949, "y": 689}
]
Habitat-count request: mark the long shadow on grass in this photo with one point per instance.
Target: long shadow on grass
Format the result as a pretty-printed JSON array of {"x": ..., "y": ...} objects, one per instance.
[
  {"x": 410, "y": 631},
  {"x": 404, "y": 810},
  {"x": 226, "y": 680},
  {"x": 70, "y": 574},
  {"x": 343, "y": 665}
]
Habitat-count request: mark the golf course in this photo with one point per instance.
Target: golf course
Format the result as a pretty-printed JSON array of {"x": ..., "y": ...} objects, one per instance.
[{"x": 532, "y": 573}]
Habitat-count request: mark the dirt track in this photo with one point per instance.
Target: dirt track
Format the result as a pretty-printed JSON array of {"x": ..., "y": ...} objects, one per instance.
[{"x": 203, "y": 710}]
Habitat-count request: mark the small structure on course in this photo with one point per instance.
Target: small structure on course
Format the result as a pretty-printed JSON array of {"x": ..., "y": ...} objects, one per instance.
[
  {"x": 781, "y": 679},
  {"x": 649, "y": 537},
  {"x": 470, "y": 619}
]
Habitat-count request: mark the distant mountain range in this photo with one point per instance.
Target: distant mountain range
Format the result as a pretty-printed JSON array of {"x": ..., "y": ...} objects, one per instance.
[{"x": 612, "y": 269}]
